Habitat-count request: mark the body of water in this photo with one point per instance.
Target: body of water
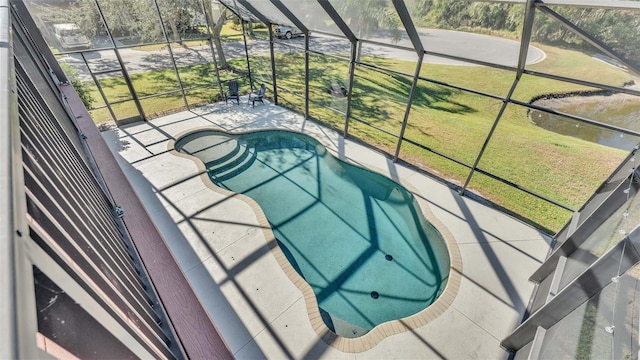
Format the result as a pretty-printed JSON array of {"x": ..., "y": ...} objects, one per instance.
[
  {"x": 623, "y": 112},
  {"x": 357, "y": 238}
]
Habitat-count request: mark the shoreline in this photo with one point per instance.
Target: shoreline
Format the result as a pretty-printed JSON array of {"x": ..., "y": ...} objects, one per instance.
[{"x": 556, "y": 101}]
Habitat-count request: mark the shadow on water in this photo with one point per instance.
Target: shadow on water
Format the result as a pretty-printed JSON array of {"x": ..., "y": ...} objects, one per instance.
[
  {"x": 336, "y": 244},
  {"x": 326, "y": 317},
  {"x": 290, "y": 257}
]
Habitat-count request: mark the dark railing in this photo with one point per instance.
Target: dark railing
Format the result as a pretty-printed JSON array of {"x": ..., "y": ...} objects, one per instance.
[{"x": 72, "y": 274}]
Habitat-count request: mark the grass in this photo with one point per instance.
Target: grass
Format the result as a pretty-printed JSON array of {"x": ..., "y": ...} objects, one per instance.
[
  {"x": 450, "y": 121},
  {"x": 456, "y": 123},
  {"x": 155, "y": 82},
  {"x": 174, "y": 45},
  {"x": 229, "y": 32}
]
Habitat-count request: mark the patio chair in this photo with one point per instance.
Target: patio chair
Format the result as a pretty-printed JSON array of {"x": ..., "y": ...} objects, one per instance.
[
  {"x": 233, "y": 92},
  {"x": 253, "y": 97}
]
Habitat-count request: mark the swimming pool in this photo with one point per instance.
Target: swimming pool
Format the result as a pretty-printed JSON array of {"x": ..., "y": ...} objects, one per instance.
[{"x": 358, "y": 239}]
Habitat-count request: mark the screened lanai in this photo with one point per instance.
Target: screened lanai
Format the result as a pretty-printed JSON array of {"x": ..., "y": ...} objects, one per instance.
[{"x": 526, "y": 109}]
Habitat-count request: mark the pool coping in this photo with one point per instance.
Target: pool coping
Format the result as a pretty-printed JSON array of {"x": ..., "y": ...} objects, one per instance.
[{"x": 380, "y": 332}]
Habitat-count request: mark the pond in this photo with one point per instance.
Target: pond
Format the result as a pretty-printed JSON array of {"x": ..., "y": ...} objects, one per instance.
[{"x": 619, "y": 110}]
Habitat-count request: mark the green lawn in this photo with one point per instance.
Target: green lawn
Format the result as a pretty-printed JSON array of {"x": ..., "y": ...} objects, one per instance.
[
  {"x": 456, "y": 123},
  {"x": 229, "y": 32},
  {"x": 450, "y": 121}
]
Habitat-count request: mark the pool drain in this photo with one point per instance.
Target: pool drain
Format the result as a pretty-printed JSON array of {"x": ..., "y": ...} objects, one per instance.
[
  {"x": 388, "y": 257},
  {"x": 375, "y": 295}
]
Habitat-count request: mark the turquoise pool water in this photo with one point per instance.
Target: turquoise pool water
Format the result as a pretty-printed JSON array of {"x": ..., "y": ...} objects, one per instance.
[{"x": 358, "y": 238}]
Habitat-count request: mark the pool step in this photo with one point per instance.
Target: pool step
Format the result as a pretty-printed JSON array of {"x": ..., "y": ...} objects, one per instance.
[
  {"x": 234, "y": 166},
  {"x": 229, "y": 160},
  {"x": 232, "y": 150},
  {"x": 213, "y": 149}
]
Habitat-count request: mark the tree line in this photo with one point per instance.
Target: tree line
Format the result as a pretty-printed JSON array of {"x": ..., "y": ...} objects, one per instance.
[
  {"x": 138, "y": 20},
  {"x": 619, "y": 29}
]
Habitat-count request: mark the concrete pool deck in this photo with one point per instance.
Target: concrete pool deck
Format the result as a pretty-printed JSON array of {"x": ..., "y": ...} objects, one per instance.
[{"x": 219, "y": 242}]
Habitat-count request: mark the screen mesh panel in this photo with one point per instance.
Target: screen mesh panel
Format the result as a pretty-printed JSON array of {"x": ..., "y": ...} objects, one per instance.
[{"x": 71, "y": 216}]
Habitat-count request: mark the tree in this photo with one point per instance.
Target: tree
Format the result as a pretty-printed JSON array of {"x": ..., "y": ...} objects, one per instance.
[
  {"x": 221, "y": 11},
  {"x": 494, "y": 16},
  {"x": 125, "y": 18},
  {"x": 138, "y": 19},
  {"x": 132, "y": 18},
  {"x": 81, "y": 89},
  {"x": 449, "y": 14},
  {"x": 368, "y": 16},
  {"x": 419, "y": 9},
  {"x": 179, "y": 16}
]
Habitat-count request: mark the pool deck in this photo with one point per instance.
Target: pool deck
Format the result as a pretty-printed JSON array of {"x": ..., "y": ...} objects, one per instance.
[{"x": 219, "y": 242}]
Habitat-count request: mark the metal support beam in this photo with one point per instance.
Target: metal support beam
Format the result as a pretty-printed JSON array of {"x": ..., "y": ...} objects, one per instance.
[
  {"x": 236, "y": 11},
  {"x": 624, "y": 90},
  {"x": 286, "y": 12},
  {"x": 173, "y": 59},
  {"x": 615, "y": 262},
  {"x": 28, "y": 21},
  {"x": 246, "y": 53},
  {"x": 590, "y": 39},
  {"x": 300, "y": 25},
  {"x": 306, "y": 76},
  {"x": 405, "y": 17},
  {"x": 598, "y": 4},
  {"x": 527, "y": 29},
  {"x": 209, "y": 22},
  {"x": 273, "y": 65},
  {"x": 267, "y": 22},
  {"x": 333, "y": 14},
  {"x": 352, "y": 70},
  {"x": 125, "y": 74},
  {"x": 522, "y": 59},
  {"x": 100, "y": 90},
  {"x": 254, "y": 11},
  {"x": 491, "y": 131},
  {"x": 412, "y": 92},
  {"x": 612, "y": 194}
]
